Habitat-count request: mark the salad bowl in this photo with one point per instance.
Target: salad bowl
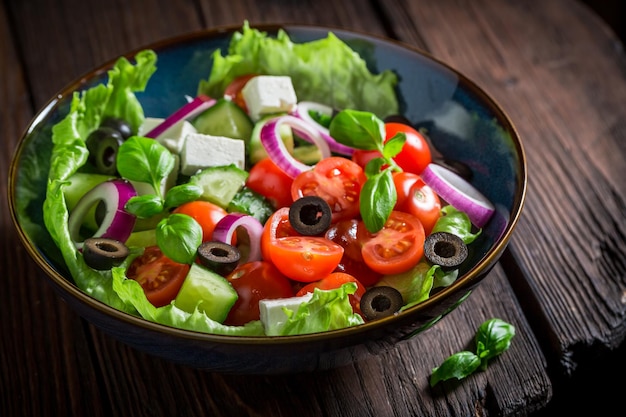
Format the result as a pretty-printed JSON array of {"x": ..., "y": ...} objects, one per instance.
[{"x": 464, "y": 124}]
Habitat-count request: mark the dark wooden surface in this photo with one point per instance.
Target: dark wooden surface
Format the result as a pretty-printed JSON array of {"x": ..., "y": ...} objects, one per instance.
[{"x": 555, "y": 67}]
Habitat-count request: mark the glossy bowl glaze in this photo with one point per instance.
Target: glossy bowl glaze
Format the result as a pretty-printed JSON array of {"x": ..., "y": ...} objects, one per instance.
[{"x": 464, "y": 122}]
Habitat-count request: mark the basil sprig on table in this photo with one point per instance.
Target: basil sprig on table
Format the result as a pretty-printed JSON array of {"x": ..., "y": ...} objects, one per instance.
[
  {"x": 492, "y": 338},
  {"x": 365, "y": 131}
]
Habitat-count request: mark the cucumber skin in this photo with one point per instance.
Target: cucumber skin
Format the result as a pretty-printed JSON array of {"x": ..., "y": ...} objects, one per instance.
[
  {"x": 225, "y": 118},
  {"x": 220, "y": 184},
  {"x": 201, "y": 284}
]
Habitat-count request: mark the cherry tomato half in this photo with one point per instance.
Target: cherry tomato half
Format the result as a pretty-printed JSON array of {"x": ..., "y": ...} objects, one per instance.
[
  {"x": 270, "y": 181},
  {"x": 277, "y": 225},
  {"x": 255, "y": 281},
  {"x": 233, "y": 90},
  {"x": 336, "y": 280},
  {"x": 338, "y": 181},
  {"x": 205, "y": 213},
  {"x": 397, "y": 247},
  {"x": 159, "y": 276},
  {"x": 417, "y": 198},
  {"x": 305, "y": 258},
  {"x": 352, "y": 235},
  {"x": 415, "y": 154}
]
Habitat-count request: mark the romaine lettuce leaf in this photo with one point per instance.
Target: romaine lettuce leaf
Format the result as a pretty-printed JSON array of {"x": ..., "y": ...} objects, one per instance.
[{"x": 326, "y": 70}]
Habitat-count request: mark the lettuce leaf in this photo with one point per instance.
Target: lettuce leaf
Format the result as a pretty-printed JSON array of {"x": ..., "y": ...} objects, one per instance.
[{"x": 325, "y": 70}]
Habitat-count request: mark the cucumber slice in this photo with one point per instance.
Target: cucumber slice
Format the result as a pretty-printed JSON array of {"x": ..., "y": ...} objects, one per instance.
[
  {"x": 250, "y": 202},
  {"x": 220, "y": 183},
  {"x": 210, "y": 292},
  {"x": 224, "y": 118},
  {"x": 142, "y": 239}
]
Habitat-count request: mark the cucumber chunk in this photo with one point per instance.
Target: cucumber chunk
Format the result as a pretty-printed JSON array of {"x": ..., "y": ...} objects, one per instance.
[
  {"x": 224, "y": 118},
  {"x": 220, "y": 183},
  {"x": 209, "y": 292},
  {"x": 250, "y": 202}
]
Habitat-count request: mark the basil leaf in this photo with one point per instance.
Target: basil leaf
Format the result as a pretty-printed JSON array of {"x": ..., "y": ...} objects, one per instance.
[
  {"x": 358, "y": 129},
  {"x": 459, "y": 366},
  {"x": 144, "y": 206},
  {"x": 181, "y": 194},
  {"x": 394, "y": 145},
  {"x": 492, "y": 338},
  {"x": 179, "y": 236},
  {"x": 378, "y": 198},
  {"x": 373, "y": 167},
  {"x": 455, "y": 222},
  {"x": 145, "y": 160}
]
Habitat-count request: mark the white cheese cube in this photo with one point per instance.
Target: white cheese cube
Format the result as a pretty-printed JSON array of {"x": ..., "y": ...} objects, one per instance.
[
  {"x": 272, "y": 314},
  {"x": 266, "y": 94},
  {"x": 173, "y": 138},
  {"x": 202, "y": 151}
]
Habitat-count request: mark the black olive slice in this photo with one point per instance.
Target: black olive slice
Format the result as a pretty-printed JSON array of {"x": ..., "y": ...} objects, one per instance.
[
  {"x": 118, "y": 124},
  {"x": 219, "y": 257},
  {"x": 445, "y": 249},
  {"x": 379, "y": 302},
  {"x": 103, "y": 144},
  {"x": 310, "y": 215},
  {"x": 103, "y": 253}
]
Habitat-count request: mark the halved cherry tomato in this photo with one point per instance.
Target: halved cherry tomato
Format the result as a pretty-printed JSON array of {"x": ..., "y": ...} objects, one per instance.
[
  {"x": 351, "y": 235},
  {"x": 205, "y": 213},
  {"x": 338, "y": 181},
  {"x": 336, "y": 280},
  {"x": 305, "y": 258},
  {"x": 233, "y": 90},
  {"x": 159, "y": 276},
  {"x": 417, "y": 198},
  {"x": 277, "y": 225},
  {"x": 255, "y": 281},
  {"x": 397, "y": 247},
  {"x": 270, "y": 181},
  {"x": 415, "y": 154}
]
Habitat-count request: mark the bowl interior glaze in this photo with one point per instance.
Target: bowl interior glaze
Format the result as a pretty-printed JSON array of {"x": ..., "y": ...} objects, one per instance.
[{"x": 463, "y": 122}]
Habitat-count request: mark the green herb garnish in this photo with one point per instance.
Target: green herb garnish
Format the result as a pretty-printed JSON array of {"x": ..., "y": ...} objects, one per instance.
[{"x": 492, "y": 338}]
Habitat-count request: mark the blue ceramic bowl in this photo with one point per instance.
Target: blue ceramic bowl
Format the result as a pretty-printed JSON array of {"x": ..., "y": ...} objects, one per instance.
[{"x": 464, "y": 122}]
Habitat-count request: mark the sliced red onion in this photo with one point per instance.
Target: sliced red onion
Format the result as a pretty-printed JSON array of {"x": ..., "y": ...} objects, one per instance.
[
  {"x": 275, "y": 148},
  {"x": 302, "y": 111},
  {"x": 459, "y": 193},
  {"x": 117, "y": 223},
  {"x": 226, "y": 228},
  {"x": 194, "y": 107}
]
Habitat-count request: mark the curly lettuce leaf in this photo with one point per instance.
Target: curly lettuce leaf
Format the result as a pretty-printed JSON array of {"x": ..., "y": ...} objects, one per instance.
[
  {"x": 116, "y": 98},
  {"x": 325, "y": 70}
]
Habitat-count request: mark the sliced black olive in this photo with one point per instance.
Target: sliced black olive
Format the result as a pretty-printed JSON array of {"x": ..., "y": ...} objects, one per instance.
[
  {"x": 102, "y": 253},
  {"x": 219, "y": 257},
  {"x": 379, "y": 302},
  {"x": 103, "y": 144},
  {"x": 118, "y": 124},
  {"x": 445, "y": 249},
  {"x": 310, "y": 215}
]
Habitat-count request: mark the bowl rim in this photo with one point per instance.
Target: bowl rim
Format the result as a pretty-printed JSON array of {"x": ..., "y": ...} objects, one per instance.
[{"x": 466, "y": 281}]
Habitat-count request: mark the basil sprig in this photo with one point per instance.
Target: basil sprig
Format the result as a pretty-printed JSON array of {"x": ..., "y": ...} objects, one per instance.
[
  {"x": 365, "y": 131},
  {"x": 146, "y": 160},
  {"x": 492, "y": 338}
]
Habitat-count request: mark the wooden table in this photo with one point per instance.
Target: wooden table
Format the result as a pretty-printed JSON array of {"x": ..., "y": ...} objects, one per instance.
[{"x": 553, "y": 65}]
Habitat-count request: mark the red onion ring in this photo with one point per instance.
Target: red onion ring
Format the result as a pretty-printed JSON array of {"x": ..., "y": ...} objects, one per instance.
[
  {"x": 275, "y": 148},
  {"x": 194, "y": 107},
  {"x": 459, "y": 193},
  {"x": 117, "y": 223},
  {"x": 228, "y": 226},
  {"x": 302, "y": 112}
]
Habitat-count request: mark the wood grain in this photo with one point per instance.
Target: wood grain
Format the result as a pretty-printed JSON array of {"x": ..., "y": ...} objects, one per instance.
[{"x": 552, "y": 65}]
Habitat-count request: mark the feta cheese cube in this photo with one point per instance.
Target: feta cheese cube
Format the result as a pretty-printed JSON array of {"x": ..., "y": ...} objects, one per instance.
[
  {"x": 173, "y": 138},
  {"x": 274, "y": 317},
  {"x": 266, "y": 94},
  {"x": 201, "y": 151}
]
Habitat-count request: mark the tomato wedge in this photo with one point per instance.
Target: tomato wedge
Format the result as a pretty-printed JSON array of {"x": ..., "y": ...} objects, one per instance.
[
  {"x": 277, "y": 225},
  {"x": 159, "y": 276},
  {"x": 338, "y": 181},
  {"x": 397, "y": 247},
  {"x": 233, "y": 90},
  {"x": 305, "y": 258}
]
